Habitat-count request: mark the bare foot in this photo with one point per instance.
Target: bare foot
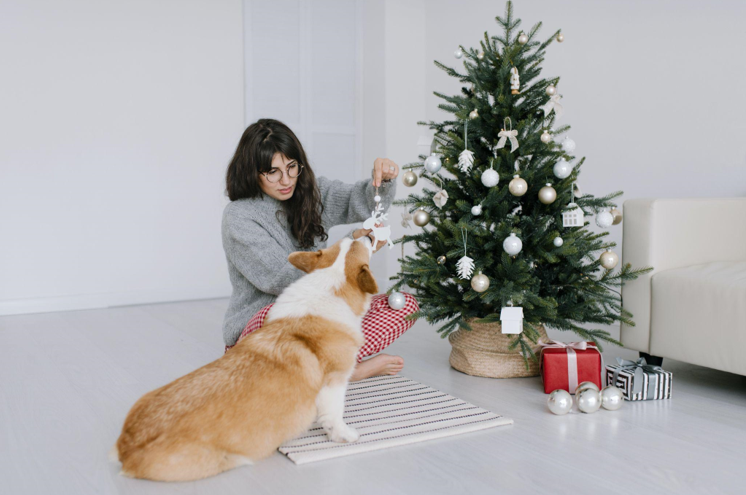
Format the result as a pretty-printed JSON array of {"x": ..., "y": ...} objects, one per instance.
[{"x": 381, "y": 364}]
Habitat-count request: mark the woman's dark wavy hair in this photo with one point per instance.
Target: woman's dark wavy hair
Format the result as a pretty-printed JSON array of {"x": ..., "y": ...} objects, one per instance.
[{"x": 258, "y": 145}]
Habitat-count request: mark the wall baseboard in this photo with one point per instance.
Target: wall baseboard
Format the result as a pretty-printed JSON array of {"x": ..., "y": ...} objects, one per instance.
[{"x": 107, "y": 300}]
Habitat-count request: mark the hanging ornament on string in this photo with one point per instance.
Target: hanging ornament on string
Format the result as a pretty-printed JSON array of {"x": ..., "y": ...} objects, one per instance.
[
  {"x": 458, "y": 53},
  {"x": 515, "y": 81},
  {"x": 546, "y": 137},
  {"x": 522, "y": 38},
  {"x": 517, "y": 186},
  {"x": 480, "y": 55},
  {"x": 473, "y": 114},
  {"x": 609, "y": 259},
  {"x": 553, "y": 104},
  {"x": 433, "y": 164},
  {"x": 604, "y": 219},
  {"x": 512, "y": 244},
  {"x": 573, "y": 216},
  {"x": 409, "y": 178},
  {"x": 441, "y": 260},
  {"x": 421, "y": 217},
  {"x": 466, "y": 158},
  {"x": 617, "y": 216},
  {"x": 476, "y": 210},
  {"x": 508, "y": 133},
  {"x": 562, "y": 169},
  {"x": 568, "y": 145},
  {"x": 380, "y": 232},
  {"x": 465, "y": 265},
  {"x": 490, "y": 177},
  {"x": 405, "y": 218},
  {"x": 558, "y": 242},
  {"x": 480, "y": 282},
  {"x": 441, "y": 196},
  {"x": 560, "y": 38},
  {"x": 547, "y": 194}
]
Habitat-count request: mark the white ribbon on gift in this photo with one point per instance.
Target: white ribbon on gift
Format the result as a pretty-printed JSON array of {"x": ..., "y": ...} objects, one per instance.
[
  {"x": 572, "y": 359},
  {"x": 553, "y": 104},
  {"x": 505, "y": 135}
]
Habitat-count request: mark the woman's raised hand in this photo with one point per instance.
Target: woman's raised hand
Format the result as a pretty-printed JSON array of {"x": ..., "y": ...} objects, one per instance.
[{"x": 384, "y": 169}]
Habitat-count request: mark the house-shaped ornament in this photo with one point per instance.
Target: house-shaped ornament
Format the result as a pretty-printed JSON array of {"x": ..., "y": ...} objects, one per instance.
[
  {"x": 573, "y": 216},
  {"x": 511, "y": 319}
]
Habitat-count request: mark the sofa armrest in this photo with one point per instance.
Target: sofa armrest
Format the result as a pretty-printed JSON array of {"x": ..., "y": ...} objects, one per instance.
[{"x": 672, "y": 233}]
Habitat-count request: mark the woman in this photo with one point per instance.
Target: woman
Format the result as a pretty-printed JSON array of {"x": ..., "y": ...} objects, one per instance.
[{"x": 277, "y": 207}]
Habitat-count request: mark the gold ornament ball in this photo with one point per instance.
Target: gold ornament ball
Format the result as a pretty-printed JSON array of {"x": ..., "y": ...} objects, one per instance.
[
  {"x": 547, "y": 194},
  {"x": 609, "y": 259},
  {"x": 546, "y": 137},
  {"x": 421, "y": 218},
  {"x": 551, "y": 90},
  {"x": 409, "y": 178},
  {"x": 617, "y": 216},
  {"x": 473, "y": 114},
  {"x": 522, "y": 39},
  {"x": 560, "y": 38},
  {"x": 517, "y": 186},
  {"x": 441, "y": 260},
  {"x": 480, "y": 55},
  {"x": 480, "y": 283}
]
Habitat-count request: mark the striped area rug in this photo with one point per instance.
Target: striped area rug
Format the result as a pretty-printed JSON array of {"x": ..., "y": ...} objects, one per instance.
[{"x": 390, "y": 411}]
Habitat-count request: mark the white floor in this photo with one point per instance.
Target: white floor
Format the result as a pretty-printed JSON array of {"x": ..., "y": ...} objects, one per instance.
[{"x": 68, "y": 380}]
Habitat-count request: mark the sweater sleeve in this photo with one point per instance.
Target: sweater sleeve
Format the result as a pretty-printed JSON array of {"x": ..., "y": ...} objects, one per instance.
[
  {"x": 352, "y": 203},
  {"x": 259, "y": 258}
]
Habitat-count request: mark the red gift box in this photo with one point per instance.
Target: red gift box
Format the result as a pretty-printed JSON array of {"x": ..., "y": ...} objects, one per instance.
[{"x": 565, "y": 365}]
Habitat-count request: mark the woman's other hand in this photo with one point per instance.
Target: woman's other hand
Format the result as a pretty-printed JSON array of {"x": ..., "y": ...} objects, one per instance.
[{"x": 384, "y": 169}]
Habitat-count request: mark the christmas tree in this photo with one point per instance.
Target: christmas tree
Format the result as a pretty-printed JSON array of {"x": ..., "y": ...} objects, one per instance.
[{"x": 503, "y": 226}]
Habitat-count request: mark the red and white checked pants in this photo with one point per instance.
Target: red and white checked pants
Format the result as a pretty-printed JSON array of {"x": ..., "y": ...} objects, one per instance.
[{"x": 382, "y": 325}]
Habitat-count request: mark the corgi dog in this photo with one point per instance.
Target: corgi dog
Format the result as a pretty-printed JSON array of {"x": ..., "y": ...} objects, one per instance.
[{"x": 267, "y": 389}]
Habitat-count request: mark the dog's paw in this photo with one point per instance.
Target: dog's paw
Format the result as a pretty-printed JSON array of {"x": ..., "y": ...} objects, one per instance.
[{"x": 342, "y": 434}]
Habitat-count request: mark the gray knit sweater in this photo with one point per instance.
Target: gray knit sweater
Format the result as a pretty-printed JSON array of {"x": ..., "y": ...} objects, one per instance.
[{"x": 257, "y": 244}]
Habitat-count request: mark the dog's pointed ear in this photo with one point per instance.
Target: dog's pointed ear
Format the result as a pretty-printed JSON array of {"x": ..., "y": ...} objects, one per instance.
[
  {"x": 305, "y": 260},
  {"x": 367, "y": 281}
]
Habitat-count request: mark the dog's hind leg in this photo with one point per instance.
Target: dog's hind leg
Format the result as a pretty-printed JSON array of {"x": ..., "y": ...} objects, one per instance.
[{"x": 330, "y": 404}]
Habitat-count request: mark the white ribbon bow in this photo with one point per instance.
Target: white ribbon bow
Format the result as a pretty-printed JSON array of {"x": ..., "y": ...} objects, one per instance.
[
  {"x": 440, "y": 198},
  {"x": 505, "y": 135},
  {"x": 553, "y": 104},
  {"x": 572, "y": 358}
]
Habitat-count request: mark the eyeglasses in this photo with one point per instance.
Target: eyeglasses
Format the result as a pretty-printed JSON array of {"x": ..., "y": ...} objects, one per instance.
[{"x": 275, "y": 175}]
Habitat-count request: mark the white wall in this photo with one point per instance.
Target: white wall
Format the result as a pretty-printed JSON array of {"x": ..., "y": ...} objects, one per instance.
[{"x": 117, "y": 121}]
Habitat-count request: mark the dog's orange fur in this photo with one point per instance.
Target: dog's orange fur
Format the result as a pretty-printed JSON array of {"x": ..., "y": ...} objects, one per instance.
[{"x": 244, "y": 405}]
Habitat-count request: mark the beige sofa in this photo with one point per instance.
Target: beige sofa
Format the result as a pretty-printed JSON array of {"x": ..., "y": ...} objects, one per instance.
[{"x": 692, "y": 306}]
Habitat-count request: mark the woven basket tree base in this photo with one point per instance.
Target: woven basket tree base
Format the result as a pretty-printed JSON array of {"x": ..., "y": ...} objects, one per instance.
[{"x": 484, "y": 352}]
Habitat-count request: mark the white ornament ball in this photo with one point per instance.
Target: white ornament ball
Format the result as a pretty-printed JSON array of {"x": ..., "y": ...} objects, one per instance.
[
  {"x": 512, "y": 244},
  {"x": 568, "y": 145},
  {"x": 409, "y": 178},
  {"x": 458, "y": 53},
  {"x": 480, "y": 282},
  {"x": 546, "y": 137},
  {"x": 547, "y": 194},
  {"x": 473, "y": 114},
  {"x": 589, "y": 400},
  {"x": 611, "y": 398},
  {"x": 421, "y": 218},
  {"x": 377, "y": 198},
  {"x": 551, "y": 90},
  {"x": 604, "y": 219},
  {"x": 609, "y": 259},
  {"x": 522, "y": 39},
  {"x": 559, "y": 402},
  {"x": 476, "y": 210},
  {"x": 433, "y": 163},
  {"x": 584, "y": 385},
  {"x": 397, "y": 300},
  {"x": 562, "y": 169},
  {"x": 490, "y": 177},
  {"x": 518, "y": 186},
  {"x": 558, "y": 241},
  {"x": 560, "y": 38}
]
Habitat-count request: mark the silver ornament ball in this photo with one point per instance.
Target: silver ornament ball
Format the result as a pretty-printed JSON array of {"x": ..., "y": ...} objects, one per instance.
[
  {"x": 480, "y": 282},
  {"x": 604, "y": 219},
  {"x": 473, "y": 114},
  {"x": 560, "y": 38},
  {"x": 432, "y": 163},
  {"x": 547, "y": 194},
  {"x": 476, "y": 210},
  {"x": 517, "y": 186},
  {"x": 397, "y": 300},
  {"x": 558, "y": 241},
  {"x": 441, "y": 259},
  {"x": 611, "y": 398},
  {"x": 546, "y": 137},
  {"x": 421, "y": 218},
  {"x": 551, "y": 90},
  {"x": 559, "y": 402},
  {"x": 458, "y": 53},
  {"x": 512, "y": 244},
  {"x": 609, "y": 259},
  {"x": 562, "y": 169},
  {"x": 584, "y": 385},
  {"x": 522, "y": 39},
  {"x": 617, "y": 216},
  {"x": 409, "y": 178},
  {"x": 568, "y": 145},
  {"x": 588, "y": 400},
  {"x": 490, "y": 177}
]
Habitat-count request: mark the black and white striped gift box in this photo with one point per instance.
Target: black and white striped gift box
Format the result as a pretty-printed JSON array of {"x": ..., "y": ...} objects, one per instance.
[{"x": 660, "y": 389}]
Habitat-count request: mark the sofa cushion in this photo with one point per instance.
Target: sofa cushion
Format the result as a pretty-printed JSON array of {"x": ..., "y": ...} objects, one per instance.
[{"x": 701, "y": 304}]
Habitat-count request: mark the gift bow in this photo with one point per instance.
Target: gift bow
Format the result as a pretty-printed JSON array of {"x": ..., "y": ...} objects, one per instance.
[
  {"x": 553, "y": 104},
  {"x": 639, "y": 367},
  {"x": 505, "y": 135},
  {"x": 572, "y": 358}
]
